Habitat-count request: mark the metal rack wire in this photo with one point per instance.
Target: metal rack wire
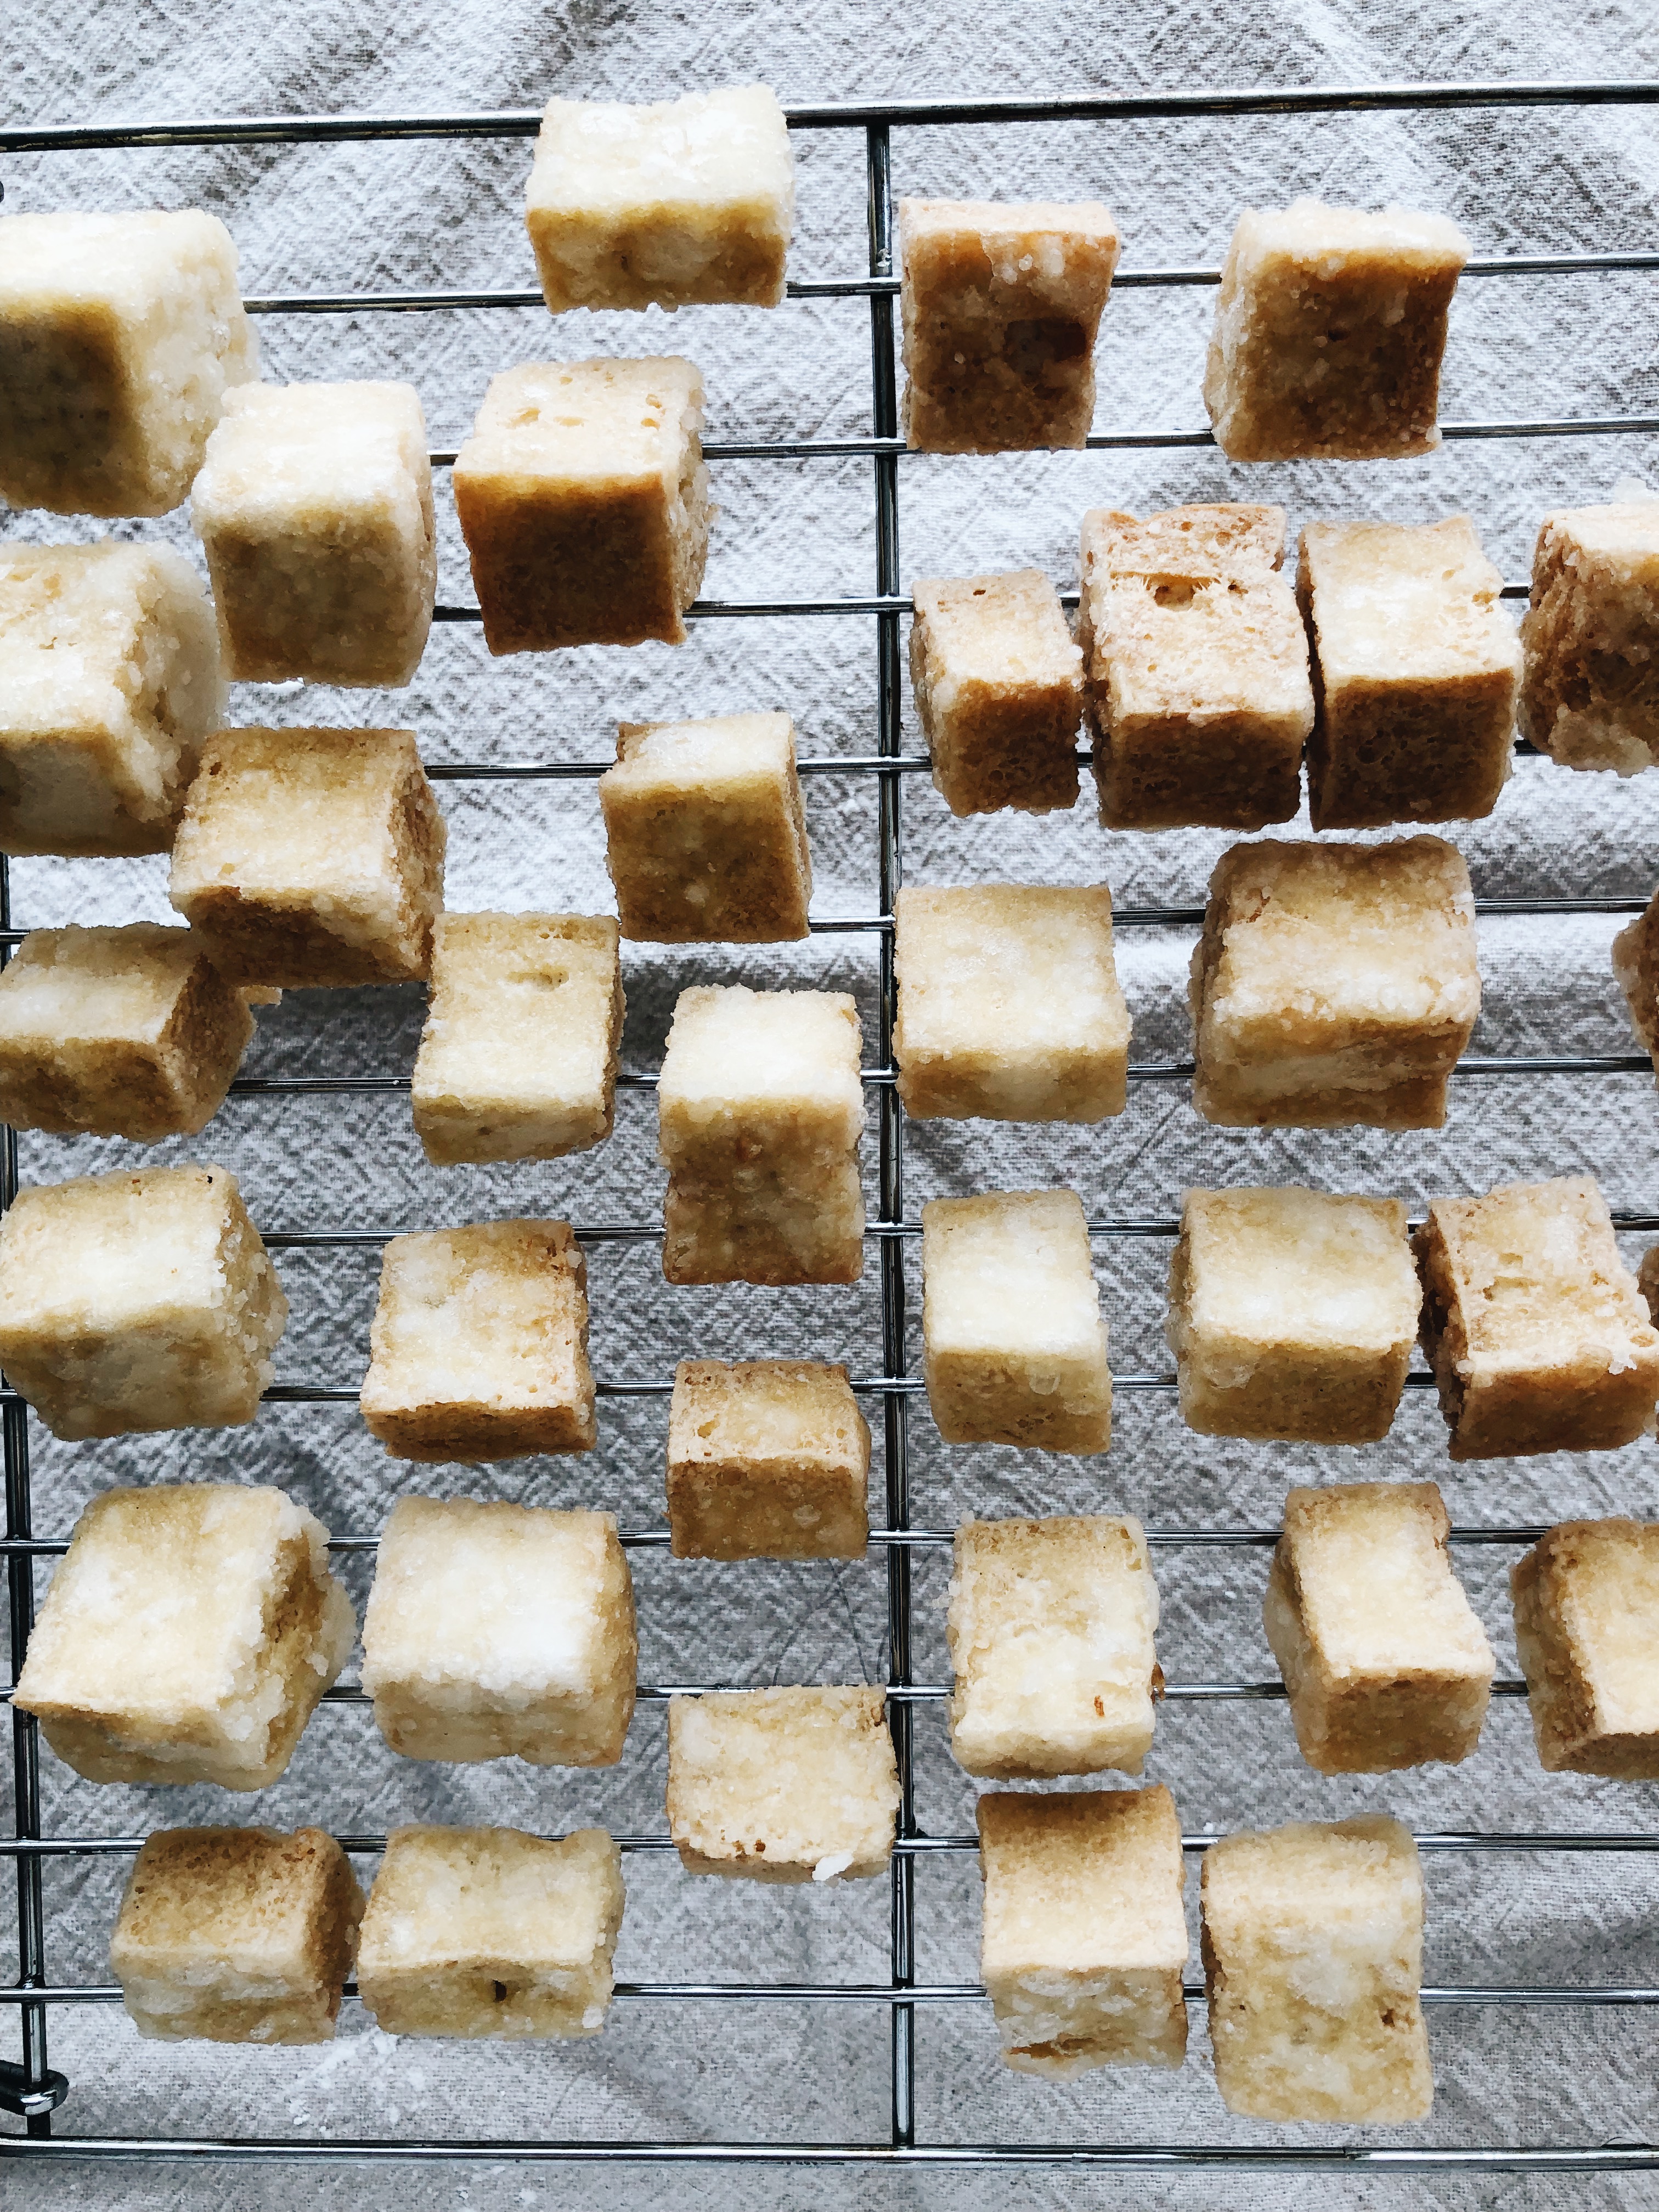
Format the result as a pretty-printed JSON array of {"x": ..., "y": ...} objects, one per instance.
[{"x": 32, "y": 2089}]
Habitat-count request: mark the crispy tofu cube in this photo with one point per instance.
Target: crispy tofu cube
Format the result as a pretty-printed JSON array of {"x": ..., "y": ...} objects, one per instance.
[
  {"x": 999, "y": 686},
  {"x": 487, "y": 1932},
  {"x": 1292, "y": 1315},
  {"x": 1050, "y": 1625},
  {"x": 479, "y": 1345},
  {"x": 1334, "y": 986},
  {"x": 1014, "y": 1344},
  {"x": 1587, "y": 1630},
  {"x": 1085, "y": 1939},
  {"x": 119, "y": 335},
  {"x": 128, "y": 1032},
  {"x": 761, "y": 1107},
  {"x": 314, "y": 508},
  {"x": 584, "y": 502},
  {"x": 1416, "y": 671},
  {"x": 768, "y": 1458},
  {"x": 1001, "y": 304},
  {"x": 109, "y": 683},
  {"x": 1538, "y": 1336},
  {"x": 137, "y": 1301},
  {"x": 1589, "y": 695},
  {"x": 705, "y": 837},
  {"x": 236, "y": 1935},
  {"x": 187, "y": 1636},
  {"x": 1195, "y": 683},
  {"x": 1313, "y": 1956},
  {"x": 782, "y": 1785},
  {"x": 1635, "y": 964},
  {"x": 517, "y": 1060},
  {"x": 496, "y": 1631},
  {"x": 311, "y": 857},
  {"x": 684, "y": 201},
  {"x": 1329, "y": 329},
  {"x": 1384, "y": 1660}
]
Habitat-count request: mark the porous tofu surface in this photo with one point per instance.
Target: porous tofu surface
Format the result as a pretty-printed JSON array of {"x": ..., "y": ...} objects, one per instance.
[
  {"x": 783, "y": 1058},
  {"x": 1405, "y": 603},
  {"x": 998, "y": 690},
  {"x": 1586, "y": 1606},
  {"x": 766, "y": 1459},
  {"x": 1050, "y": 1627},
  {"x": 1202, "y": 651},
  {"x": 592, "y": 427},
  {"x": 1590, "y": 637},
  {"x": 1226, "y": 541},
  {"x": 1268, "y": 1267},
  {"x": 1373, "y": 1584},
  {"x": 782, "y": 1784},
  {"x": 994, "y": 634}
]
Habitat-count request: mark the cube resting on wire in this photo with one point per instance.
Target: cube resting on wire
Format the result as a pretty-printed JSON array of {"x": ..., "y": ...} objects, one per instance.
[
  {"x": 1587, "y": 1630},
  {"x": 768, "y": 1458},
  {"x": 999, "y": 691}
]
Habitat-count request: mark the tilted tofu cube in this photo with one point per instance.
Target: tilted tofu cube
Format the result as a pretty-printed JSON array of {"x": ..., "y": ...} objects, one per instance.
[
  {"x": 1538, "y": 1336},
  {"x": 783, "y": 1784},
  {"x": 1329, "y": 329},
  {"x": 119, "y": 335},
  {"x": 109, "y": 683},
  {"x": 496, "y": 1630},
  {"x": 236, "y": 1935},
  {"x": 682, "y": 201},
  {"x": 1334, "y": 986},
  {"x": 479, "y": 1932},
  {"x": 1085, "y": 1939},
  {"x": 311, "y": 857},
  {"x": 1589, "y": 695},
  {"x": 584, "y": 502},
  {"x": 136, "y": 1301},
  {"x": 1014, "y": 1344},
  {"x": 479, "y": 1345},
  {"x": 1292, "y": 1314},
  {"x": 517, "y": 1060},
  {"x": 1050, "y": 1625},
  {"x": 314, "y": 508},
  {"x": 1587, "y": 1630},
  {"x": 1384, "y": 1660},
  {"x": 187, "y": 1636},
  {"x": 999, "y": 686},
  {"x": 1313, "y": 1956},
  {"x": 768, "y": 1458}
]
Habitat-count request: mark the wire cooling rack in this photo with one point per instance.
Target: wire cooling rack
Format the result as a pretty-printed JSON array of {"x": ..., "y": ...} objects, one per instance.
[{"x": 32, "y": 2089}]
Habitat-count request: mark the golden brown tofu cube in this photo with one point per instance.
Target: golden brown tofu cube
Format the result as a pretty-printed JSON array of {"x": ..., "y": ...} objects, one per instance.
[
  {"x": 1537, "y": 1333},
  {"x": 999, "y": 691},
  {"x": 1635, "y": 964},
  {"x": 1586, "y": 1629},
  {"x": 1001, "y": 305},
  {"x": 1329, "y": 334},
  {"x": 584, "y": 502},
  {"x": 1589, "y": 696},
  {"x": 768, "y": 1458},
  {"x": 1334, "y": 986}
]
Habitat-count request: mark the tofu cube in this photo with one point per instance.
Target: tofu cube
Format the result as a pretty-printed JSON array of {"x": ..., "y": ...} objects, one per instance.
[
  {"x": 1009, "y": 1008},
  {"x": 499, "y": 1631},
  {"x": 1334, "y": 986},
  {"x": 1001, "y": 305},
  {"x": 119, "y": 335},
  {"x": 1587, "y": 1630},
  {"x": 1328, "y": 333},
  {"x": 1084, "y": 1940},
  {"x": 1416, "y": 669},
  {"x": 761, "y": 1107},
  {"x": 584, "y": 502},
  {"x": 768, "y": 1458},
  {"x": 1014, "y": 1344},
  {"x": 311, "y": 857},
  {"x": 487, "y": 1932},
  {"x": 1589, "y": 693},
  {"x": 109, "y": 683},
  {"x": 1635, "y": 964},
  {"x": 1384, "y": 1660},
  {"x": 705, "y": 837},
  {"x": 1292, "y": 1315},
  {"x": 479, "y": 1345},
  {"x": 314, "y": 508},
  {"x": 782, "y": 1785},
  {"x": 1050, "y": 1627},
  {"x": 137, "y": 1301},
  {"x": 1313, "y": 1957},
  {"x": 1195, "y": 683},
  {"x": 999, "y": 686},
  {"x": 236, "y": 1935},
  {"x": 118, "y": 1032},
  {"x": 682, "y": 202},
  {"x": 1538, "y": 1336},
  {"x": 517, "y": 1060},
  {"x": 187, "y": 1636}
]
